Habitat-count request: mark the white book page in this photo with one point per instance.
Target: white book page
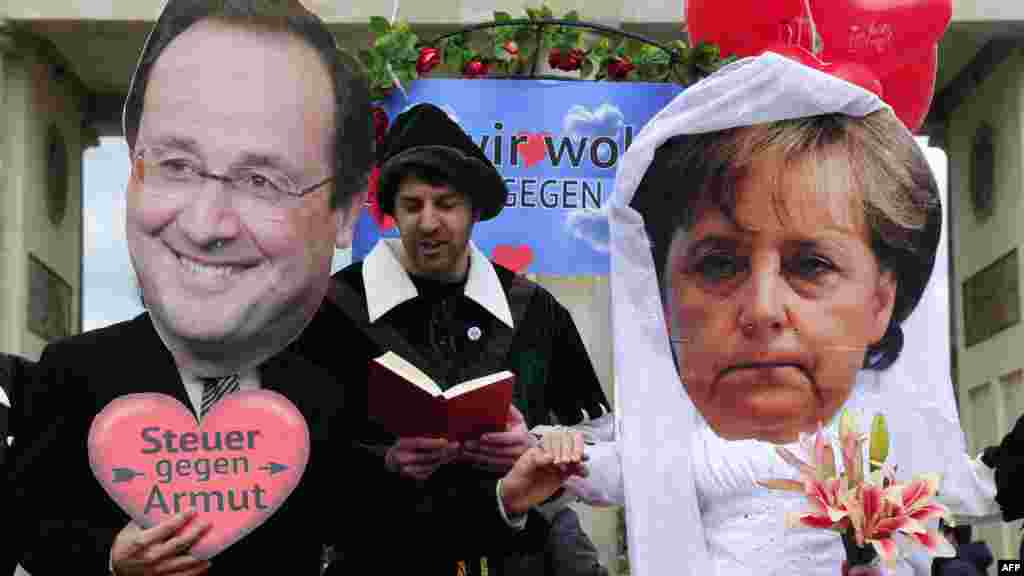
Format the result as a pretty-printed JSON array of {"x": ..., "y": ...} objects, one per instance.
[
  {"x": 476, "y": 383},
  {"x": 407, "y": 370}
]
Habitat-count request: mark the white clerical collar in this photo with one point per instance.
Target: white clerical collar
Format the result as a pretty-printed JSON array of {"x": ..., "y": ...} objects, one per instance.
[{"x": 388, "y": 284}]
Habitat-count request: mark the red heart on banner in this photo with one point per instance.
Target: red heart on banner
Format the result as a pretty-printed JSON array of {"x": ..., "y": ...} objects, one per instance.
[
  {"x": 515, "y": 258},
  {"x": 235, "y": 469},
  {"x": 533, "y": 149},
  {"x": 883, "y": 35}
]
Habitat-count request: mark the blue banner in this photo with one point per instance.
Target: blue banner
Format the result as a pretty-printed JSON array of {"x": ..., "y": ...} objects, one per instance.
[{"x": 557, "y": 143}]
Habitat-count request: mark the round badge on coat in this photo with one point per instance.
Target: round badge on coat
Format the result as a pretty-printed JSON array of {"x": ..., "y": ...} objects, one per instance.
[{"x": 474, "y": 333}]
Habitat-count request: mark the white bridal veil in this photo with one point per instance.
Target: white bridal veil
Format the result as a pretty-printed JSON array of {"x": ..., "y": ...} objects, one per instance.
[{"x": 656, "y": 419}]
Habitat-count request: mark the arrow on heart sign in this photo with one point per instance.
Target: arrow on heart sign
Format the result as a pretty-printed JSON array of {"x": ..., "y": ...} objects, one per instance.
[{"x": 274, "y": 468}]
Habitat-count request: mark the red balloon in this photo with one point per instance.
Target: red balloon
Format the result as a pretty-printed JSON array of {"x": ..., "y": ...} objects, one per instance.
[
  {"x": 746, "y": 27},
  {"x": 884, "y": 35},
  {"x": 850, "y": 71},
  {"x": 801, "y": 55},
  {"x": 889, "y": 47},
  {"x": 855, "y": 73},
  {"x": 909, "y": 90}
]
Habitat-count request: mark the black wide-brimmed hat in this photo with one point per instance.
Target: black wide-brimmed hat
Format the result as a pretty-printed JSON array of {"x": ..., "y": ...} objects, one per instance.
[{"x": 426, "y": 136}]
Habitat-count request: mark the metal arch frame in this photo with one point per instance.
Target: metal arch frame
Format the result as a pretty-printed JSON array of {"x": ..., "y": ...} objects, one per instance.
[{"x": 539, "y": 26}]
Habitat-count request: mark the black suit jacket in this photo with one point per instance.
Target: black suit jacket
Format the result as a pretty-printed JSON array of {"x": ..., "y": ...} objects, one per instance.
[
  {"x": 15, "y": 374},
  {"x": 72, "y": 522}
]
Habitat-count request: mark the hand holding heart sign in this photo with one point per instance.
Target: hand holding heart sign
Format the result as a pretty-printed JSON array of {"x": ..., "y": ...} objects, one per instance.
[
  {"x": 160, "y": 549},
  {"x": 234, "y": 470},
  {"x": 887, "y": 46}
]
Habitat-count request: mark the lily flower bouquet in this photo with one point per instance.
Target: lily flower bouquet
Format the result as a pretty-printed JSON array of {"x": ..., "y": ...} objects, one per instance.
[{"x": 865, "y": 505}]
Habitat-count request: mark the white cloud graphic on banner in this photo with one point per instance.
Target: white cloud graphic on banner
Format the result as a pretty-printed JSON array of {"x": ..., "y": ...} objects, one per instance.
[
  {"x": 605, "y": 120},
  {"x": 589, "y": 225}
]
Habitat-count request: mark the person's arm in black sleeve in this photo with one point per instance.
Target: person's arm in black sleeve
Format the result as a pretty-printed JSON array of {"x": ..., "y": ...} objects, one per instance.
[
  {"x": 37, "y": 434},
  {"x": 60, "y": 530},
  {"x": 1008, "y": 461},
  {"x": 574, "y": 389},
  {"x": 14, "y": 373}
]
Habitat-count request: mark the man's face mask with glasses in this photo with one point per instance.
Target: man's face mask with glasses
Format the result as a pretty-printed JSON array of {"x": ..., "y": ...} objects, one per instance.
[
  {"x": 176, "y": 173},
  {"x": 241, "y": 261}
]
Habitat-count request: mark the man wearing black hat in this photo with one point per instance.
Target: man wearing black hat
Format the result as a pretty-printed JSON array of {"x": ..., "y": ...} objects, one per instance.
[{"x": 434, "y": 298}]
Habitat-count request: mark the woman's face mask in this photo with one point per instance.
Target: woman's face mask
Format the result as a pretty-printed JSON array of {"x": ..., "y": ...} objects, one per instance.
[{"x": 773, "y": 312}]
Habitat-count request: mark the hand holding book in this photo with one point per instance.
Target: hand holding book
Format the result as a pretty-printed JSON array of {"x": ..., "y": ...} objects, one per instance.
[
  {"x": 418, "y": 458},
  {"x": 498, "y": 451}
]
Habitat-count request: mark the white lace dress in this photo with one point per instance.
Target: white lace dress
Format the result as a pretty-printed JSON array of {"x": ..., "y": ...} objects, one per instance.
[{"x": 745, "y": 524}]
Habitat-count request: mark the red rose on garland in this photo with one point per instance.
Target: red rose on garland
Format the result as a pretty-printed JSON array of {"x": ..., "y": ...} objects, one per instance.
[
  {"x": 565, "y": 61},
  {"x": 475, "y": 68},
  {"x": 428, "y": 60},
  {"x": 619, "y": 68}
]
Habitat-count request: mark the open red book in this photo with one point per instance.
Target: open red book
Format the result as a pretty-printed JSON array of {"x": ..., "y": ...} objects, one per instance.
[{"x": 408, "y": 403}]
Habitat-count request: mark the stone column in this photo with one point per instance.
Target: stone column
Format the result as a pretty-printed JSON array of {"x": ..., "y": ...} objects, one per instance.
[
  {"x": 6, "y": 47},
  {"x": 8, "y": 220}
]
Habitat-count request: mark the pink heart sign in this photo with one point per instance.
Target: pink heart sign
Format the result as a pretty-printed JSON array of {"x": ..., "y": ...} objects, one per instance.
[{"x": 236, "y": 468}]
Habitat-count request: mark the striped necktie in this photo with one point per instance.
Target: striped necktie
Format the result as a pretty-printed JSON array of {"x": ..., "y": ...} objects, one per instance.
[{"x": 216, "y": 388}]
